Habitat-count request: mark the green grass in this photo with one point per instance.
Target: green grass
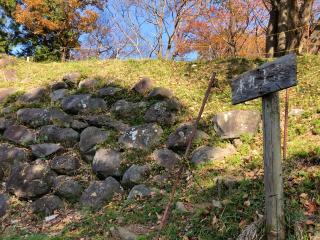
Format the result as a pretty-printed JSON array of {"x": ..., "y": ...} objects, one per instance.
[{"x": 188, "y": 81}]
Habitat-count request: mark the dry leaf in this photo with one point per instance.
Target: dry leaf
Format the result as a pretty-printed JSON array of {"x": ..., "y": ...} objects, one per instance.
[
  {"x": 214, "y": 221},
  {"x": 225, "y": 202},
  {"x": 159, "y": 216},
  {"x": 303, "y": 195},
  {"x": 310, "y": 222},
  {"x": 242, "y": 223},
  {"x": 311, "y": 207},
  {"x": 247, "y": 203}
]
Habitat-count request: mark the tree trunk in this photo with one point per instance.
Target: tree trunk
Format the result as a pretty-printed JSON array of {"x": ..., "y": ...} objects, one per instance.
[
  {"x": 232, "y": 31},
  {"x": 294, "y": 22},
  {"x": 282, "y": 27},
  {"x": 271, "y": 39},
  {"x": 315, "y": 39},
  {"x": 298, "y": 20},
  {"x": 287, "y": 29},
  {"x": 63, "y": 55}
]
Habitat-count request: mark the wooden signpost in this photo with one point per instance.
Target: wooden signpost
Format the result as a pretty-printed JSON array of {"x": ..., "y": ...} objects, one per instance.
[{"x": 266, "y": 81}]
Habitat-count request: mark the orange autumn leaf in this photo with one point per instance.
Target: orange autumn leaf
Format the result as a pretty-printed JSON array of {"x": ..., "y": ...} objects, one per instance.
[
  {"x": 311, "y": 207},
  {"x": 224, "y": 29}
]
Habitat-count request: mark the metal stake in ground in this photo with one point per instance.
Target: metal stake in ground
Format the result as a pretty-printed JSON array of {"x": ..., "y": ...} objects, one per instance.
[
  {"x": 165, "y": 217},
  {"x": 265, "y": 82}
]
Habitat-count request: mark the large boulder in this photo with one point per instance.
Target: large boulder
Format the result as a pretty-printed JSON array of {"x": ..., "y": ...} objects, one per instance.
[
  {"x": 206, "y": 154},
  {"x": 106, "y": 163},
  {"x": 88, "y": 84},
  {"x": 34, "y": 95},
  {"x": 66, "y": 164},
  {"x": 128, "y": 110},
  {"x": 105, "y": 121},
  {"x": 67, "y": 188},
  {"x": 135, "y": 175},
  {"x": 166, "y": 158},
  {"x": 109, "y": 91},
  {"x": 160, "y": 93},
  {"x": 141, "y": 137},
  {"x": 82, "y": 103},
  {"x": 143, "y": 86},
  {"x": 100, "y": 192},
  {"x": 46, "y": 205},
  {"x": 59, "y": 94},
  {"x": 5, "y": 123},
  {"x": 161, "y": 113},
  {"x": 36, "y": 117},
  {"x": 181, "y": 136},
  {"x": 139, "y": 191},
  {"x": 72, "y": 79},
  {"x": 58, "y": 85},
  {"x": 45, "y": 149},
  {"x": 75, "y": 103},
  {"x": 3, "y": 204},
  {"x": 79, "y": 125},
  {"x": 28, "y": 181},
  {"x": 66, "y": 136},
  {"x": 95, "y": 105},
  {"x": 233, "y": 124},
  {"x": 20, "y": 135},
  {"x": 90, "y": 137},
  {"x": 6, "y": 92},
  {"x": 10, "y": 156}
]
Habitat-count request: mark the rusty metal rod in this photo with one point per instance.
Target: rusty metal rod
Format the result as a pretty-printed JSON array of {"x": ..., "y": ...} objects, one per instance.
[
  {"x": 165, "y": 217},
  {"x": 285, "y": 128}
]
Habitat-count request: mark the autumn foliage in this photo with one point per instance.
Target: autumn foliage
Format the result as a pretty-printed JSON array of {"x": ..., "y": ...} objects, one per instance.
[
  {"x": 61, "y": 20},
  {"x": 168, "y": 29},
  {"x": 229, "y": 28}
]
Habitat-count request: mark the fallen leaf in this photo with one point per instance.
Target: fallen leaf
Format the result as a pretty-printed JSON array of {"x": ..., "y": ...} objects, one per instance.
[
  {"x": 311, "y": 207},
  {"x": 214, "y": 221},
  {"x": 225, "y": 202},
  {"x": 310, "y": 222},
  {"x": 303, "y": 195},
  {"x": 216, "y": 204},
  {"x": 242, "y": 223},
  {"x": 159, "y": 216},
  {"x": 247, "y": 203},
  {"x": 50, "y": 218}
]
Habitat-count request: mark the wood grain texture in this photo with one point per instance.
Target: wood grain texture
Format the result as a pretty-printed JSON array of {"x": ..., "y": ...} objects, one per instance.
[
  {"x": 273, "y": 181},
  {"x": 269, "y": 77}
]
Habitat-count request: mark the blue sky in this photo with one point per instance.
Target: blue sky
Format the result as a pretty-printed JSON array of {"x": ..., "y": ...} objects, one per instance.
[{"x": 147, "y": 30}]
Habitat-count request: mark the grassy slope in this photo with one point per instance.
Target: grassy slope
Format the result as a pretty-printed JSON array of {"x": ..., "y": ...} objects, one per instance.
[{"x": 188, "y": 82}]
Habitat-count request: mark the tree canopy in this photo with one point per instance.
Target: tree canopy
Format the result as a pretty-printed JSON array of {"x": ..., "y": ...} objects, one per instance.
[
  {"x": 171, "y": 29},
  {"x": 52, "y": 27}
]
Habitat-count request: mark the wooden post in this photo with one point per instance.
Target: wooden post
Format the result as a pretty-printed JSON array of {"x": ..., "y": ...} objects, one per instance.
[
  {"x": 266, "y": 81},
  {"x": 273, "y": 181}
]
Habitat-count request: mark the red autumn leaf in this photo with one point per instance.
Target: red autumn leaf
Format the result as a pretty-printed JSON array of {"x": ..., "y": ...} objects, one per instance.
[{"x": 311, "y": 207}]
